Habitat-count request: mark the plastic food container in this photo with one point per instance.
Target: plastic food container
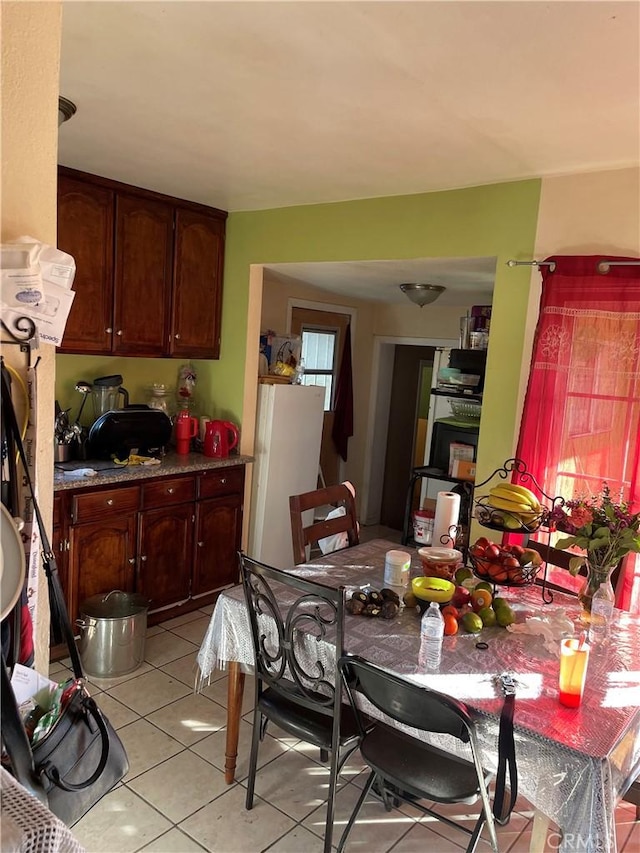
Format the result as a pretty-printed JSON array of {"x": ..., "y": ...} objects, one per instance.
[
  {"x": 471, "y": 379},
  {"x": 439, "y": 562},
  {"x": 423, "y": 526},
  {"x": 468, "y": 410}
]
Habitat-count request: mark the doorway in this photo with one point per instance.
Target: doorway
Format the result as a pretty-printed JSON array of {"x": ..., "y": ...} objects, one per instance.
[
  {"x": 378, "y": 421},
  {"x": 407, "y": 427},
  {"x": 308, "y": 319}
]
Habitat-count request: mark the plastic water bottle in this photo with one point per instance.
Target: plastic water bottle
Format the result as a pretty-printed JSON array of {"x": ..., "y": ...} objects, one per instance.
[
  {"x": 601, "y": 612},
  {"x": 431, "y": 634}
]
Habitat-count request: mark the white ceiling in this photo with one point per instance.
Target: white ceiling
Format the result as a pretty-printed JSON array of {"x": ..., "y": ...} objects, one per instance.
[
  {"x": 468, "y": 281},
  {"x": 254, "y": 105}
]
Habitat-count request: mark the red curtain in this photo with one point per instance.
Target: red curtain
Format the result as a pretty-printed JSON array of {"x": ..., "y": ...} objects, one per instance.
[{"x": 581, "y": 419}]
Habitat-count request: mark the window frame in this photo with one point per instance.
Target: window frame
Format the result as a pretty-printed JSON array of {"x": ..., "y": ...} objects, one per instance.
[{"x": 333, "y": 373}]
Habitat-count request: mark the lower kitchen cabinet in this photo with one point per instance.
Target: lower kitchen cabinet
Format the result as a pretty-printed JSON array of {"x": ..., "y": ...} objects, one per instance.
[
  {"x": 101, "y": 559},
  {"x": 164, "y": 558},
  {"x": 174, "y": 539},
  {"x": 219, "y": 527}
]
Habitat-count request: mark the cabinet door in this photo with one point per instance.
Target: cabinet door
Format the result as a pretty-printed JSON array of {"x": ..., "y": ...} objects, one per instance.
[
  {"x": 166, "y": 554},
  {"x": 197, "y": 286},
  {"x": 60, "y": 545},
  {"x": 101, "y": 558},
  {"x": 85, "y": 231},
  {"x": 144, "y": 238},
  {"x": 218, "y": 534}
]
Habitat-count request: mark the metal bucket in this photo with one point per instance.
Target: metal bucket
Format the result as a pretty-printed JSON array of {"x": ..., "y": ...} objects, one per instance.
[{"x": 113, "y": 631}]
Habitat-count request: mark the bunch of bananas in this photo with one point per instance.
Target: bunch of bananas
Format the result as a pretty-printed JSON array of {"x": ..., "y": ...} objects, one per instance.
[{"x": 517, "y": 506}]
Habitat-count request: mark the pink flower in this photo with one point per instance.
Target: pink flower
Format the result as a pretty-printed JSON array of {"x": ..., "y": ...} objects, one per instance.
[{"x": 581, "y": 516}]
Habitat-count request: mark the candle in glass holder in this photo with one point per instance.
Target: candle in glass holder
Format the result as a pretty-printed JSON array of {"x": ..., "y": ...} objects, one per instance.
[{"x": 574, "y": 657}]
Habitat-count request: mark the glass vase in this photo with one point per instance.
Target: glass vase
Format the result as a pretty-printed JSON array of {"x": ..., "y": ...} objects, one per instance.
[{"x": 596, "y": 576}]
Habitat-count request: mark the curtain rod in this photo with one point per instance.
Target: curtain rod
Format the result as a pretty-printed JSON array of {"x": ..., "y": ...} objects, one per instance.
[
  {"x": 550, "y": 264},
  {"x": 603, "y": 266}
]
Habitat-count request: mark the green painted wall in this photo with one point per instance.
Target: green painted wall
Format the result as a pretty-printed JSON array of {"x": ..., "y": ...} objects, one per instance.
[{"x": 496, "y": 220}]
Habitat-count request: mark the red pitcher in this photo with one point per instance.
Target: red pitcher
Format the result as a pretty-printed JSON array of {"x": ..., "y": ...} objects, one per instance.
[{"x": 220, "y": 438}]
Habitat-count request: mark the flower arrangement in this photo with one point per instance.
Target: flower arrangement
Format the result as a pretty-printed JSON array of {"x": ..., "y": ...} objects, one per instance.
[{"x": 606, "y": 530}]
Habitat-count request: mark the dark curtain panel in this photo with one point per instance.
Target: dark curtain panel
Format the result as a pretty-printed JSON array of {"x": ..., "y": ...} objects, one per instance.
[{"x": 343, "y": 416}]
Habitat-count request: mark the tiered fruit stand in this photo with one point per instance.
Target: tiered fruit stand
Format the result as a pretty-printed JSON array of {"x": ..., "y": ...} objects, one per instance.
[{"x": 499, "y": 565}]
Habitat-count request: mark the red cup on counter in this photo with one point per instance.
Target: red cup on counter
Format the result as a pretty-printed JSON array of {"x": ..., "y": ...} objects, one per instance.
[{"x": 186, "y": 429}]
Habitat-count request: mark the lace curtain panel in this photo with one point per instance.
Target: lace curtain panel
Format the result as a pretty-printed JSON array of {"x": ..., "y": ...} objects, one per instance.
[{"x": 581, "y": 418}]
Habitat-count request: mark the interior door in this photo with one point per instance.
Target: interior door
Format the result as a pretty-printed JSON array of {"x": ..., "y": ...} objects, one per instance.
[
  {"x": 306, "y": 317},
  {"x": 408, "y": 381}
]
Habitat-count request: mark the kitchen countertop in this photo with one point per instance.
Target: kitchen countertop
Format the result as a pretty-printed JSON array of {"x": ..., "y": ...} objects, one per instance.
[{"x": 170, "y": 464}]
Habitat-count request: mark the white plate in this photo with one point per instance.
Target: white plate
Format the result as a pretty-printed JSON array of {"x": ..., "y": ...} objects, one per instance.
[{"x": 12, "y": 563}]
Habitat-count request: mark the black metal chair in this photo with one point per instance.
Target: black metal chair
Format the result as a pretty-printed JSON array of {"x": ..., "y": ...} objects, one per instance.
[
  {"x": 405, "y": 768},
  {"x": 297, "y": 627}
]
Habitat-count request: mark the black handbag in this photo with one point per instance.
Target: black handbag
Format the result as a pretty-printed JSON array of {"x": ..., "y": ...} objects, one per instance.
[{"x": 81, "y": 758}]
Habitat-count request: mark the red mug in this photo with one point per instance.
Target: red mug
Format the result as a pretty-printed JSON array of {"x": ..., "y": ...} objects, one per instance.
[{"x": 186, "y": 429}]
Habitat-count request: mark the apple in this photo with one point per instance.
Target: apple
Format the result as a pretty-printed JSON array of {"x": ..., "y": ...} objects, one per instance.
[
  {"x": 461, "y": 596},
  {"x": 492, "y": 552}
]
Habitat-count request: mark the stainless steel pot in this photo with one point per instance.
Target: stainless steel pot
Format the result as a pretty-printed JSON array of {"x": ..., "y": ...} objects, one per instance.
[{"x": 113, "y": 630}]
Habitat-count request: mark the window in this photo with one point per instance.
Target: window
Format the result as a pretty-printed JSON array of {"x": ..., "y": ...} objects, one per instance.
[{"x": 319, "y": 359}]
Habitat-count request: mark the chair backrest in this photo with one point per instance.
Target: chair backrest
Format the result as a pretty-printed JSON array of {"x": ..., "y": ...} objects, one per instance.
[
  {"x": 310, "y": 534},
  {"x": 290, "y": 618},
  {"x": 412, "y": 704}
]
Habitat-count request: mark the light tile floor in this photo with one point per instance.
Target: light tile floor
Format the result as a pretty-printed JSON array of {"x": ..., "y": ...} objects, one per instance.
[{"x": 174, "y": 798}]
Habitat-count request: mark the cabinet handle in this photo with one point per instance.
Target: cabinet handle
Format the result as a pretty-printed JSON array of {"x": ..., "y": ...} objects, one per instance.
[
  {"x": 144, "y": 558},
  {"x": 119, "y": 332},
  {"x": 223, "y": 481},
  {"x": 132, "y": 560},
  {"x": 67, "y": 545},
  {"x": 177, "y": 337},
  {"x": 108, "y": 330},
  {"x": 109, "y": 502},
  {"x": 201, "y": 544},
  {"x": 170, "y": 490}
]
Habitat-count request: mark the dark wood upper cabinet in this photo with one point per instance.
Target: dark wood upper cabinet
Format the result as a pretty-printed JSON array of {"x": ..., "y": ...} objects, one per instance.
[
  {"x": 143, "y": 254},
  {"x": 197, "y": 292},
  {"x": 85, "y": 231},
  {"x": 148, "y": 269}
]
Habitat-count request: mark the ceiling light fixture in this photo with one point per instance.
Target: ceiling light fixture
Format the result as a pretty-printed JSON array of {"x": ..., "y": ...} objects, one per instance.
[
  {"x": 422, "y": 294},
  {"x": 66, "y": 109}
]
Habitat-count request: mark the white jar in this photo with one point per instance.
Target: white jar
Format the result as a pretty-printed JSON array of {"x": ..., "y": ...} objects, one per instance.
[{"x": 396, "y": 568}]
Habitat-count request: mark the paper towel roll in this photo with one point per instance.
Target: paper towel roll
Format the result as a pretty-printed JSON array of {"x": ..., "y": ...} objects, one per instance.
[{"x": 447, "y": 512}]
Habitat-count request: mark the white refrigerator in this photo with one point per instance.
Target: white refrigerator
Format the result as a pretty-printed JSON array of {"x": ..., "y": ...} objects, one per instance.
[{"x": 287, "y": 460}]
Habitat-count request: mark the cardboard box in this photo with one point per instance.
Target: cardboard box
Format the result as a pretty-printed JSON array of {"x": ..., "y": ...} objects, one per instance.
[
  {"x": 460, "y": 451},
  {"x": 463, "y": 469}
]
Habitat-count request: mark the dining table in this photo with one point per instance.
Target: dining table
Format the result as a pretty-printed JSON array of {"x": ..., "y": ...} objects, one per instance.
[{"x": 574, "y": 764}]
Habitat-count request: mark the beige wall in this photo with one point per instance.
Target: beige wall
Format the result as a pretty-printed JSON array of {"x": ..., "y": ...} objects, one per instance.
[
  {"x": 372, "y": 320},
  {"x": 275, "y": 301},
  {"x": 30, "y": 69},
  {"x": 590, "y": 214}
]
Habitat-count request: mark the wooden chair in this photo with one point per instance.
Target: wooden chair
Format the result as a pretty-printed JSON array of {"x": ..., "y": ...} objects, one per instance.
[{"x": 310, "y": 534}]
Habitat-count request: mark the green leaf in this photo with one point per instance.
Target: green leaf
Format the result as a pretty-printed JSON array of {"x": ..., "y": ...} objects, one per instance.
[
  {"x": 598, "y": 543},
  {"x": 566, "y": 542},
  {"x": 575, "y": 564}
]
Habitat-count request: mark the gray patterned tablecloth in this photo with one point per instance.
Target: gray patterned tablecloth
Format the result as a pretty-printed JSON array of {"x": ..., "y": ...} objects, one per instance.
[{"x": 573, "y": 764}]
